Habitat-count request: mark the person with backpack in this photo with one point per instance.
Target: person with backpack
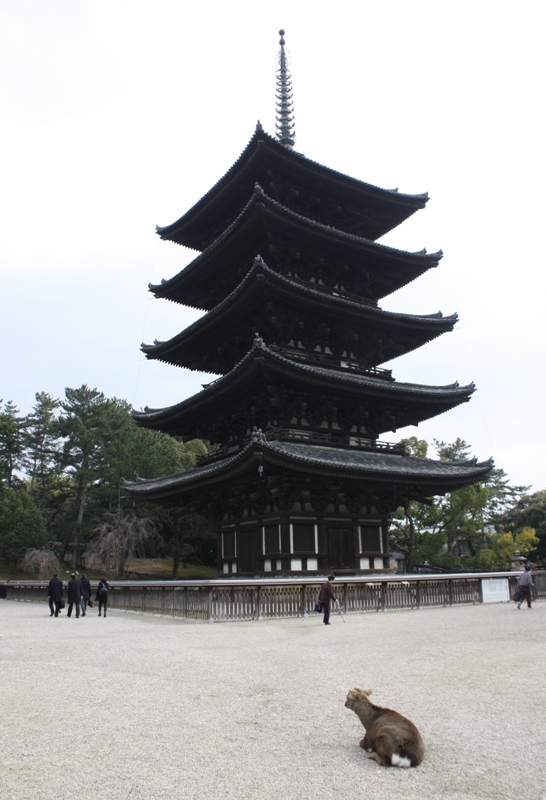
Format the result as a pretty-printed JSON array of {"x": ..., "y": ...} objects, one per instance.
[{"x": 102, "y": 595}]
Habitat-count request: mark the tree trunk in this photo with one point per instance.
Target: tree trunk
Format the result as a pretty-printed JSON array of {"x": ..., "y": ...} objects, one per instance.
[
  {"x": 176, "y": 565},
  {"x": 82, "y": 495}
]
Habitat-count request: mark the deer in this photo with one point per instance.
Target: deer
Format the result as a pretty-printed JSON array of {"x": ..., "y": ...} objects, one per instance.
[{"x": 392, "y": 738}]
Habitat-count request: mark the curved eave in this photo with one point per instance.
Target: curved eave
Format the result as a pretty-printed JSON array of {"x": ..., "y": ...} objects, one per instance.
[
  {"x": 253, "y": 224},
  {"x": 178, "y": 419},
  {"x": 256, "y": 288},
  {"x": 192, "y": 228},
  {"x": 371, "y": 468}
]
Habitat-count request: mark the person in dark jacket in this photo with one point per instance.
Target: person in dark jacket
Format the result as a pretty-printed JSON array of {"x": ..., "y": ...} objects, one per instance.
[
  {"x": 102, "y": 595},
  {"x": 326, "y": 597},
  {"x": 74, "y": 595},
  {"x": 55, "y": 594},
  {"x": 525, "y": 586},
  {"x": 86, "y": 593}
]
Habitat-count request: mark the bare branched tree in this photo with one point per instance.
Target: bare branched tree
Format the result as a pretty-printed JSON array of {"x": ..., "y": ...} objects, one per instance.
[
  {"x": 119, "y": 539},
  {"x": 43, "y": 562}
]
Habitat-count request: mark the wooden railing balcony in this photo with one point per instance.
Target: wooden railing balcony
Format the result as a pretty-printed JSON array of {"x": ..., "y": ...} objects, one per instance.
[
  {"x": 269, "y": 598},
  {"x": 334, "y": 440},
  {"x": 333, "y": 362},
  {"x": 334, "y": 292},
  {"x": 325, "y": 438}
]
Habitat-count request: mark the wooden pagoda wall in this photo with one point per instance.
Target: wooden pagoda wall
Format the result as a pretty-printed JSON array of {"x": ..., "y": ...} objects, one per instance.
[{"x": 286, "y": 544}]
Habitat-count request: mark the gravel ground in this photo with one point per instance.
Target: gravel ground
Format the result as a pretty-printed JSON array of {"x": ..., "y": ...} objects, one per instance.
[{"x": 138, "y": 707}]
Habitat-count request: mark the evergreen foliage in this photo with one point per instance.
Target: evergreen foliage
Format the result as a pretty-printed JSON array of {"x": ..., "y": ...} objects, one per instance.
[
  {"x": 459, "y": 530},
  {"x": 60, "y": 478},
  {"x": 21, "y": 525}
]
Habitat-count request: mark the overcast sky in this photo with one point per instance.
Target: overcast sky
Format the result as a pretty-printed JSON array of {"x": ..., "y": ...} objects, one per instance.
[{"x": 117, "y": 115}]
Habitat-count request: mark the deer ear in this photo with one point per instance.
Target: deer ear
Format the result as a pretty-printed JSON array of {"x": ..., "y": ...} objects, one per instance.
[{"x": 367, "y": 692}]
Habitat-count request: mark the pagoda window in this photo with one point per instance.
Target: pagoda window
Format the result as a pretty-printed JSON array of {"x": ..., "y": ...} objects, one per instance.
[
  {"x": 370, "y": 539},
  {"x": 303, "y": 539},
  {"x": 228, "y": 544},
  {"x": 272, "y": 539}
]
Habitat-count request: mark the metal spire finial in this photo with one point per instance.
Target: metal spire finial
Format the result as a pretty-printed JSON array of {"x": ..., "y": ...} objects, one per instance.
[{"x": 286, "y": 130}]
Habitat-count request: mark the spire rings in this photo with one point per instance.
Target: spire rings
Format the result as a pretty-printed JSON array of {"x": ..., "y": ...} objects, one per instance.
[{"x": 285, "y": 127}]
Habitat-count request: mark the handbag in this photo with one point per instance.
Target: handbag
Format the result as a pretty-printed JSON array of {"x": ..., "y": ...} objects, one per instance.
[
  {"x": 318, "y": 607},
  {"x": 61, "y": 605},
  {"x": 90, "y": 602}
]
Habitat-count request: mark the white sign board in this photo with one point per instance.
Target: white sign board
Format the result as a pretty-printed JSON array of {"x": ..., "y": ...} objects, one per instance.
[{"x": 495, "y": 590}]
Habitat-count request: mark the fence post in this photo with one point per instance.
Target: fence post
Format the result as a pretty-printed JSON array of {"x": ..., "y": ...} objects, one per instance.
[
  {"x": 450, "y": 585},
  {"x": 259, "y": 604},
  {"x": 418, "y": 595},
  {"x": 383, "y": 601},
  {"x": 303, "y": 610},
  {"x": 209, "y": 603},
  {"x": 344, "y": 598}
]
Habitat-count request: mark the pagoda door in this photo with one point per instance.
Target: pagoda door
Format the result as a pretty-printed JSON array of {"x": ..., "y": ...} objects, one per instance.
[
  {"x": 247, "y": 551},
  {"x": 340, "y": 548}
]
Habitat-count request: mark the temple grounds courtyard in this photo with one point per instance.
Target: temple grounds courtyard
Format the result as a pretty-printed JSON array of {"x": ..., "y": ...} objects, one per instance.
[{"x": 139, "y": 707}]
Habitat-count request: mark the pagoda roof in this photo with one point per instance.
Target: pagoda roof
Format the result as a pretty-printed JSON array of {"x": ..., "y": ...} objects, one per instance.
[
  {"x": 221, "y": 264},
  {"x": 417, "y": 476},
  {"x": 261, "y": 364},
  {"x": 380, "y": 209},
  {"x": 236, "y": 316}
]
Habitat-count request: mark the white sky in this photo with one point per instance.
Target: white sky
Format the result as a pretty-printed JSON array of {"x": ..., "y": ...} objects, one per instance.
[{"x": 117, "y": 115}]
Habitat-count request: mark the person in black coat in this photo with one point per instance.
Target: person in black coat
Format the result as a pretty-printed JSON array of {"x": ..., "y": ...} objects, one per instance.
[
  {"x": 74, "y": 595},
  {"x": 86, "y": 593},
  {"x": 55, "y": 594},
  {"x": 102, "y": 595}
]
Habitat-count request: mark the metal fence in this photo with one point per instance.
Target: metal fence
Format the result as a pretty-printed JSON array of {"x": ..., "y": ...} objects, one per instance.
[{"x": 258, "y": 599}]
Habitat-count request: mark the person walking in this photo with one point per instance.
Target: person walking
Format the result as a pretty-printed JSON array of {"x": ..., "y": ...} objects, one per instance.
[
  {"x": 525, "y": 586},
  {"x": 326, "y": 597},
  {"x": 55, "y": 594},
  {"x": 86, "y": 593},
  {"x": 74, "y": 595},
  {"x": 102, "y": 595}
]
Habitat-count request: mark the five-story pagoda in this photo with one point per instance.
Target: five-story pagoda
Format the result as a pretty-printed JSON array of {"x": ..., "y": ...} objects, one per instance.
[{"x": 290, "y": 275}]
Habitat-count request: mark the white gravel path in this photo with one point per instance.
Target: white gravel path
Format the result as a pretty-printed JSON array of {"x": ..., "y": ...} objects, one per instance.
[{"x": 137, "y": 707}]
